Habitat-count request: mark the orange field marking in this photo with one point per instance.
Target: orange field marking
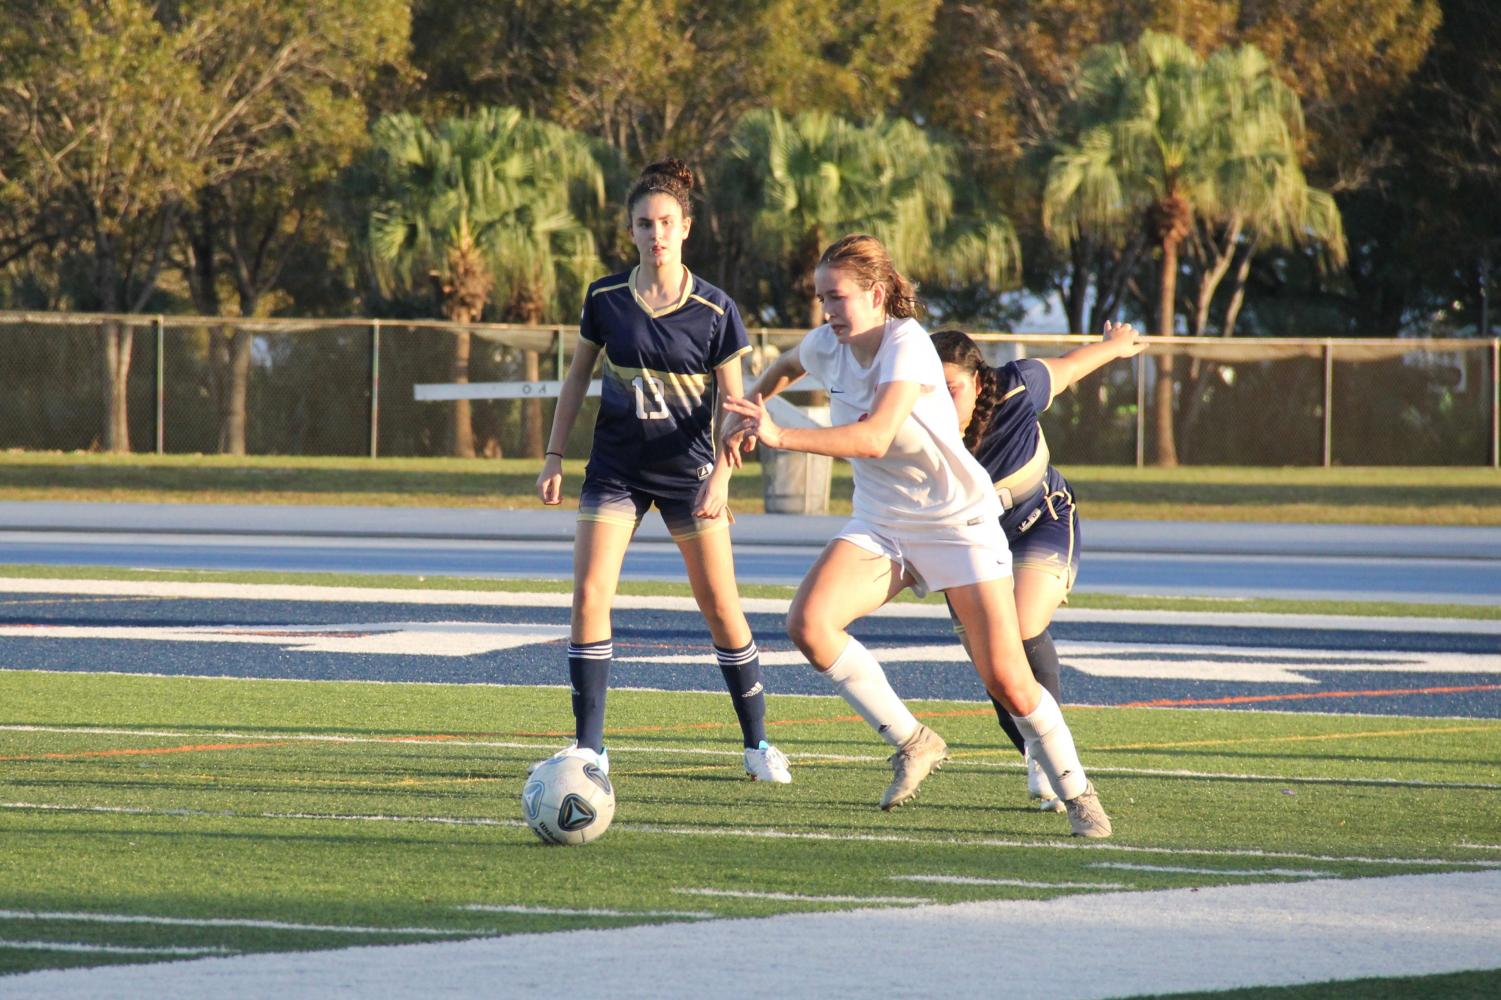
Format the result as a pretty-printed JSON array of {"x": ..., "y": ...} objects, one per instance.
[
  {"x": 147, "y": 751},
  {"x": 688, "y": 726},
  {"x": 1305, "y": 738},
  {"x": 205, "y": 747},
  {"x": 1250, "y": 698}
]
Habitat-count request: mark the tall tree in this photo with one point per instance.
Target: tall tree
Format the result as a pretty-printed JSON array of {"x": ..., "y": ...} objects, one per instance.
[
  {"x": 1158, "y": 139},
  {"x": 801, "y": 182},
  {"x": 999, "y": 73},
  {"x": 486, "y": 207},
  {"x": 1427, "y": 236},
  {"x": 998, "y": 76},
  {"x": 1264, "y": 198},
  {"x": 103, "y": 119},
  {"x": 585, "y": 62},
  {"x": 286, "y": 83}
]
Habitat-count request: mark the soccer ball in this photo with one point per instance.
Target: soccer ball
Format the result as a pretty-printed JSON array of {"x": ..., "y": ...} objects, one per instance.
[{"x": 568, "y": 801}]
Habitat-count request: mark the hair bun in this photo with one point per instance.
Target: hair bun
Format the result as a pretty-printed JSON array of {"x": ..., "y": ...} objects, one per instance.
[{"x": 673, "y": 169}]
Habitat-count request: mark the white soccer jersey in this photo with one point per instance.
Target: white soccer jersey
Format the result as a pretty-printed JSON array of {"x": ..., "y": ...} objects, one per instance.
[{"x": 927, "y": 477}]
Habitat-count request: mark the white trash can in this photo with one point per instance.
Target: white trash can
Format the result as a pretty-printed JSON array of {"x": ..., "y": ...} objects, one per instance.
[{"x": 795, "y": 482}]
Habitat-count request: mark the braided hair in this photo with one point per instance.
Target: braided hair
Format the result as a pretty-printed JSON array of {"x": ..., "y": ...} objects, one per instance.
[{"x": 955, "y": 348}]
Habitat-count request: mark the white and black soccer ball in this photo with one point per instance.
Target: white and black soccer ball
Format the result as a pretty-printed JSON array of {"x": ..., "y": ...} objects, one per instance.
[{"x": 568, "y": 801}]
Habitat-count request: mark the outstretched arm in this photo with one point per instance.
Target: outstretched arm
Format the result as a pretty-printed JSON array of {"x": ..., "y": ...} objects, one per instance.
[
  {"x": 738, "y": 437},
  {"x": 1121, "y": 341},
  {"x": 869, "y": 437}
]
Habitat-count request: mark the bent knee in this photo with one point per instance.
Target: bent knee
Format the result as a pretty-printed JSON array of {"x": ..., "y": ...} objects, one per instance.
[{"x": 809, "y": 632}]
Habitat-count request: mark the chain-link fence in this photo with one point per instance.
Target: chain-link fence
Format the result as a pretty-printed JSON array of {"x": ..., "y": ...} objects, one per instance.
[{"x": 347, "y": 387}]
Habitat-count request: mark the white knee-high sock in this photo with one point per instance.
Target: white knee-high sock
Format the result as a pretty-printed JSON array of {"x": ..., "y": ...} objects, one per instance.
[
  {"x": 860, "y": 681},
  {"x": 1051, "y": 744}
]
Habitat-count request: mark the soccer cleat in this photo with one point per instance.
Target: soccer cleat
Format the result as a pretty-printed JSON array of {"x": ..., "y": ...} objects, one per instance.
[
  {"x": 1085, "y": 814},
  {"x": 922, "y": 754},
  {"x": 583, "y": 753},
  {"x": 767, "y": 763},
  {"x": 1039, "y": 787}
]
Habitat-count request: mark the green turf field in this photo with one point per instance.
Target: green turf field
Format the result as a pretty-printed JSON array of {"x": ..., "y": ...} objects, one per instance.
[{"x": 148, "y": 818}]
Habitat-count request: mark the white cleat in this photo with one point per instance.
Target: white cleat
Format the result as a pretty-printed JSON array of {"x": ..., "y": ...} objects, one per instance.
[
  {"x": 767, "y": 763},
  {"x": 922, "y": 754},
  {"x": 1086, "y": 816},
  {"x": 602, "y": 759},
  {"x": 1039, "y": 787}
]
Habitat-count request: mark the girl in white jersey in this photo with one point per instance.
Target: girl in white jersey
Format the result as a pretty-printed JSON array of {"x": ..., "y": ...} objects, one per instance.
[{"x": 925, "y": 517}]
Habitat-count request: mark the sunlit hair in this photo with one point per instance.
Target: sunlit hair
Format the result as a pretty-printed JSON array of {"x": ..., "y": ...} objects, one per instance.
[
  {"x": 866, "y": 260},
  {"x": 672, "y": 177},
  {"x": 955, "y": 348}
]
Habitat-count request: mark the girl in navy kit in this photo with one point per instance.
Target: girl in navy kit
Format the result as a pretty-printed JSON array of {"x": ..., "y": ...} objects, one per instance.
[
  {"x": 672, "y": 345},
  {"x": 998, "y": 410}
]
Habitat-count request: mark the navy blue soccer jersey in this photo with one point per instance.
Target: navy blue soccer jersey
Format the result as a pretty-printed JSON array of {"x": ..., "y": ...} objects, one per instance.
[
  {"x": 659, "y": 393},
  {"x": 1013, "y": 449}
]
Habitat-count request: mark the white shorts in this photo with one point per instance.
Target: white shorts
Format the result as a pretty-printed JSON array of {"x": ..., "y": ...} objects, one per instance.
[{"x": 942, "y": 556}]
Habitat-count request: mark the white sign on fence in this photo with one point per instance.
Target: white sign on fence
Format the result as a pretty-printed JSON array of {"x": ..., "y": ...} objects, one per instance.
[{"x": 432, "y": 392}]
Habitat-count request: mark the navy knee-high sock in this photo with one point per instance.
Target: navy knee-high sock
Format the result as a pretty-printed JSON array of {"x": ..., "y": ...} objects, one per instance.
[
  {"x": 1042, "y": 656},
  {"x": 589, "y": 673},
  {"x": 742, "y": 676}
]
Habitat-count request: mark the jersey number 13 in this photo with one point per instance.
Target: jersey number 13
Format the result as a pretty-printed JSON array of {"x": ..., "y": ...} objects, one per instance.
[{"x": 651, "y": 404}]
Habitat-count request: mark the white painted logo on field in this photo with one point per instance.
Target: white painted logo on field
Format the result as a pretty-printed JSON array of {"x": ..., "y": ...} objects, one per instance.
[
  {"x": 393, "y": 638},
  {"x": 1162, "y": 661}
]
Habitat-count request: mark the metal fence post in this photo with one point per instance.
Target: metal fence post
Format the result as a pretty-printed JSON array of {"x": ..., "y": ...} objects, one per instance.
[
  {"x": 1328, "y": 402},
  {"x": 1496, "y": 402},
  {"x": 374, "y": 388},
  {"x": 161, "y": 388},
  {"x": 1141, "y": 406},
  {"x": 560, "y": 353}
]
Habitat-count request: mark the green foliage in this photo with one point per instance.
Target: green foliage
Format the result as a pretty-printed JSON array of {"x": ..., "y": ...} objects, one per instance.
[
  {"x": 668, "y": 77},
  {"x": 499, "y": 184},
  {"x": 156, "y": 155},
  {"x": 102, "y": 118},
  {"x": 804, "y": 181}
]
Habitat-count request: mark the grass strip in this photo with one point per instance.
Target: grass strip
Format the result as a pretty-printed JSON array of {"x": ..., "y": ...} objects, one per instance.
[{"x": 1364, "y": 495}]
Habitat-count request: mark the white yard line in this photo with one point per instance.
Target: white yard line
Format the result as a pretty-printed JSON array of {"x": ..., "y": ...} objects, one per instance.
[
  {"x": 756, "y": 605},
  {"x": 552, "y": 911},
  {"x": 86, "y": 917},
  {"x": 1061, "y": 843},
  {"x": 621, "y": 751},
  {"x": 113, "y": 949},
  {"x": 1241, "y": 872},
  {"x": 1107, "y": 945},
  {"x": 1012, "y": 882},
  {"x": 795, "y": 897}
]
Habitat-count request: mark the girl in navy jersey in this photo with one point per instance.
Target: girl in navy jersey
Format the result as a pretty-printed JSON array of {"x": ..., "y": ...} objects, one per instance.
[
  {"x": 672, "y": 345},
  {"x": 925, "y": 516},
  {"x": 998, "y": 410}
]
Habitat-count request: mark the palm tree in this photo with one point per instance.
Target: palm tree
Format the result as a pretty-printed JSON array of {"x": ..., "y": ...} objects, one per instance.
[
  {"x": 1266, "y": 199},
  {"x": 480, "y": 208},
  {"x": 1161, "y": 141},
  {"x": 804, "y": 181}
]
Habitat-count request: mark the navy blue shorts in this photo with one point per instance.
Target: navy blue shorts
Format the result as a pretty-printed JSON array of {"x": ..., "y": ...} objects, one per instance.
[
  {"x": 1046, "y": 538},
  {"x": 609, "y": 500}
]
